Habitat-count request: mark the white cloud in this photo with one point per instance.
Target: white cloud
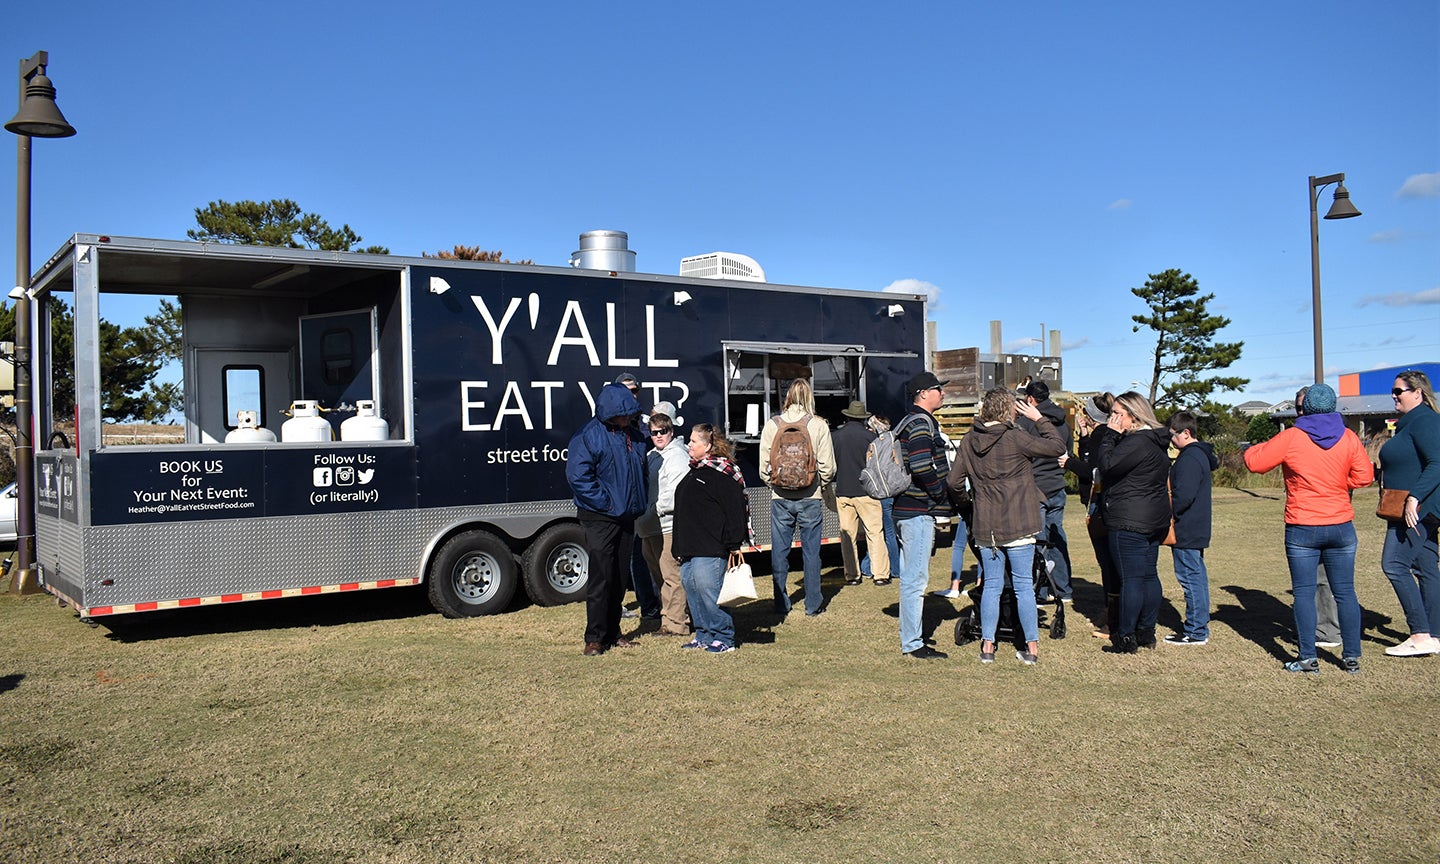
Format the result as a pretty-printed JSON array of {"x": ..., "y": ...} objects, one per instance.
[
  {"x": 916, "y": 286},
  {"x": 1420, "y": 186},
  {"x": 1403, "y": 298},
  {"x": 1119, "y": 204},
  {"x": 1394, "y": 235},
  {"x": 1015, "y": 345},
  {"x": 1395, "y": 340},
  {"x": 1078, "y": 343}
]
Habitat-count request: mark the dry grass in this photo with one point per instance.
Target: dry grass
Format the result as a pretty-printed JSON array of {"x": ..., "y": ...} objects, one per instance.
[{"x": 368, "y": 729}]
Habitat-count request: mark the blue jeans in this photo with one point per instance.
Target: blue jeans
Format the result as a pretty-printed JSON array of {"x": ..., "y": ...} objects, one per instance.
[
  {"x": 1410, "y": 563},
  {"x": 1054, "y": 543},
  {"x": 917, "y": 539},
  {"x": 992, "y": 562},
  {"x": 785, "y": 516},
  {"x": 892, "y": 545},
  {"x": 702, "y": 578},
  {"x": 1305, "y": 547},
  {"x": 957, "y": 552},
  {"x": 1135, "y": 556},
  {"x": 1190, "y": 573}
]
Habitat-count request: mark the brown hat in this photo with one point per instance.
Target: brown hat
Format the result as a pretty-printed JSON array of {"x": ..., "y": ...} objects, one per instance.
[{"x": 856, "y": 410}]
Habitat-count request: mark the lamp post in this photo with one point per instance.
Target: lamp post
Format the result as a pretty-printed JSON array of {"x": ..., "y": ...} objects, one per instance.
[
  {"x": 38, "y": 117},
  {"x": 1340, "y": 209}
]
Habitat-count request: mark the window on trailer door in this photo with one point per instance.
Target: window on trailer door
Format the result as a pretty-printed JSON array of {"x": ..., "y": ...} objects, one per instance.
[{"x": 244, "y": 391}]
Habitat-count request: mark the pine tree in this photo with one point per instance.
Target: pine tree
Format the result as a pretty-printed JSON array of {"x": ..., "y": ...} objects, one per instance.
[
  {"x": 1185, "y": 347},
  {"x": 278, "y": 222},
  {"x": 474, "y": 253}
]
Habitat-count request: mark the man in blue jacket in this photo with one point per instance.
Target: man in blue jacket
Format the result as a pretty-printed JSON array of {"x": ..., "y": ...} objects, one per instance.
[
  {"x": 606, "y": 472},
  {"x": 1190, "y": 501}
]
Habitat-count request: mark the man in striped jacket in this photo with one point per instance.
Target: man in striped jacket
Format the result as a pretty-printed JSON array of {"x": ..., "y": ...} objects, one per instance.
[{"x": 915, "y": 509}]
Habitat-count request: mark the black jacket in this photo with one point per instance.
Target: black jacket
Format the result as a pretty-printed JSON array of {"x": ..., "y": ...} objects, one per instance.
[
  {"x": 1134, "y": 474},
  {"x": 851, "y": 441},
  {"x": 1087, "y": 459},
  {"x": 709, "y": 515},
  {"x": 1190, "y": 494},
  {"x": 1049, "y": 476}
]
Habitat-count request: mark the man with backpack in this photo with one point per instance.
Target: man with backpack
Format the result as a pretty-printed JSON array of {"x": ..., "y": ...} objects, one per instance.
[
  {"x": 854, "y": 506},
  {"x": 797, "y": 458},
  {"x": 915, "y": 509}
]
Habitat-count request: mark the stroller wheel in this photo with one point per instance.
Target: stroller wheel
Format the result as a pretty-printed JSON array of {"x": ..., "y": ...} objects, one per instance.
[
  {"x": 967, "y": 627},
  {"x": 1057, "y": 627}
]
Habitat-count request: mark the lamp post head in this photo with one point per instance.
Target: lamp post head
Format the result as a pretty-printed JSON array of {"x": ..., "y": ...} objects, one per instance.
[
  {"x": 1342, "y": 208},
  {"x": 39, "y": 116}
]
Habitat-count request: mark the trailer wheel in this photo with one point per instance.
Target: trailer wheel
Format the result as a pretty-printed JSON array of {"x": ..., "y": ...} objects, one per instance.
[
  {"x": 474, "y": 574},
  {"x": 557, "y": 566}
]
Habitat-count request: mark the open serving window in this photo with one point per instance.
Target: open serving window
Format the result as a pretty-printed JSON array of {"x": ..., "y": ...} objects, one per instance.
[{"x": 758, "y": 374}]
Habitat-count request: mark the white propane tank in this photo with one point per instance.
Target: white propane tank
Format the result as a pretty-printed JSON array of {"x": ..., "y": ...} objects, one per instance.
[
  {"x": 366, "y": 425},
  {"x": 249, "y": 431},
  {"x": 305, "y": 423}
]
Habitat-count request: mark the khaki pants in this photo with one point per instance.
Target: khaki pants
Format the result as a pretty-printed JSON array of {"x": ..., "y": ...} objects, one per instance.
[
  {"x": 665, "y": 570},
  {"x": 855, "y": 512}
]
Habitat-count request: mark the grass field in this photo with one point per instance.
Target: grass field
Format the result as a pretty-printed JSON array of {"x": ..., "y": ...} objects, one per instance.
[{"x": 369, "y": 729}]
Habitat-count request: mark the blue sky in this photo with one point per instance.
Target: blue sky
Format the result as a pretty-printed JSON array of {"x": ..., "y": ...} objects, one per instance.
[{"x": 1022, "y": 162}]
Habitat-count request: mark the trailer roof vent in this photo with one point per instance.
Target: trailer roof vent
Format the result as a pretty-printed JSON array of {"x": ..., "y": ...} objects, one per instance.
[
  {"x": 722, "y": 265},
  {"x": 604, "y": 250}
]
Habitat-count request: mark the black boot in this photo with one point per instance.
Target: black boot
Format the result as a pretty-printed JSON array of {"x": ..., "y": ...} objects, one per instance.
[
  {"x": 1112, "y": 612},
  {"x": 1122, "y": 645},
  {"x": 1145, "y": 638}
]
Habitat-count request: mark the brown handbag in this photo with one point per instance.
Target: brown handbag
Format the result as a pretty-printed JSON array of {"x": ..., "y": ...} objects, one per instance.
[
  {"x": 1170, "y": 535},
  {"x": 1392, "y": 504}
]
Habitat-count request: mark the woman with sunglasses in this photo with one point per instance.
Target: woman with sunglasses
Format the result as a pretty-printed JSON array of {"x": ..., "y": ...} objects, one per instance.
[
  {"x": 1411, "y": 461},
  {"x": 1135, "y": 474}
]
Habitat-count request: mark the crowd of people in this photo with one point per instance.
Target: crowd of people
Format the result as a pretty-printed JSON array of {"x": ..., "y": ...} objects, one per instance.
[{"x": 1003, "y": 484}]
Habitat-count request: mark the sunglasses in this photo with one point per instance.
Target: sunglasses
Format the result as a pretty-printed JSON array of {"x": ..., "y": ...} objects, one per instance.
[{"x": 1398, "y": 390}]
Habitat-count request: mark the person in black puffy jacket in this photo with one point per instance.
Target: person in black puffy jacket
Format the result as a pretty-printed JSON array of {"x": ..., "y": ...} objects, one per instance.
[{"x": 1135, "y": 473}]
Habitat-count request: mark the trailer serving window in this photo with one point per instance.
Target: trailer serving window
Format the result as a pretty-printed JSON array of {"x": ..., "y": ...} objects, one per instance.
[{"x": 758, "y": 374}]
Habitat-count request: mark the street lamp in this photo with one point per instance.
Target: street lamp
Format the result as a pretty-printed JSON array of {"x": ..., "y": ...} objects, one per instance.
[
  {"x": 1341, "y": 209},
  {"x": 38, "y": 117}
]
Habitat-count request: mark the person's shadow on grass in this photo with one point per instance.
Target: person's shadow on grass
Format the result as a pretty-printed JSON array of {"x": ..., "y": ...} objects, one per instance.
[{"x": 1270, "y": 623}]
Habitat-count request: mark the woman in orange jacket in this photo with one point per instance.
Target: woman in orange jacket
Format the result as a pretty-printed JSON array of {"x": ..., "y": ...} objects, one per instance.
[{"x": 1322, "y": 461}]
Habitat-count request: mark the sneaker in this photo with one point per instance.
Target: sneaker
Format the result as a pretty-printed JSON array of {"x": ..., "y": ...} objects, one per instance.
[
  {"x": 1178, "y": 639},
  {"x": 629, "y": 613},
  {"x": 1352, "y": 665},
  {"x": 1309, "y": 667},
  {"x": 694, "y": 643},
  {"x": 1412, "y": 648},
  {"x": 987, "y": 656},
  {"x": 719, "y": 648},
  {"x": 949, "y": 594},
  {"x": 925, "y": 652},
  {"x": 1070, "y": 600},
  {"x": 1326, "y": 644},
  {"x": 1026, "y": 657}
]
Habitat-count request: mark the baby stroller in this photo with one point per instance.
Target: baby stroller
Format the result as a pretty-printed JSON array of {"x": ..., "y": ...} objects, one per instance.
[{"x": 967, "y": 629}]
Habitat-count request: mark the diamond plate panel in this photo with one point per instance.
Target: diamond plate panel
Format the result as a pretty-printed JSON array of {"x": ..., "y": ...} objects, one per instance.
[
  {"x": 235, "y": 556},
  {"x": 759, "y": 497},
  {"x": 60, "y": 552}
]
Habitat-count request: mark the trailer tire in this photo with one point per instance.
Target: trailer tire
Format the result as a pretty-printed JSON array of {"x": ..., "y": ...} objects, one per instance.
[
  {"x": 473, "y": 574},
  {"x": 556, "y": 567}
]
